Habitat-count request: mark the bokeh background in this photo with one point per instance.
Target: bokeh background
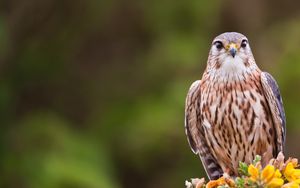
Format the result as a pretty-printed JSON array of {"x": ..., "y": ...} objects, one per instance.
[{"x": 92, "y": 92}]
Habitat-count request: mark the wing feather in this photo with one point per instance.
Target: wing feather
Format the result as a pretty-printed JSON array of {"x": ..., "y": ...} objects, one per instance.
[
  {"x": 272, "y": 94},
  {"x": 192, "y": 121},
  {"x": 195, "y": 132}
]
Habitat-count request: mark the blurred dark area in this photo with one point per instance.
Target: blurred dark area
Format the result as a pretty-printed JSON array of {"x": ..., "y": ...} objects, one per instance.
[{"x": 92, "y": 92}]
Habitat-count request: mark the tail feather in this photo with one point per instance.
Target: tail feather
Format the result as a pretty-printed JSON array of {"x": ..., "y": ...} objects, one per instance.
[{"x": 212, "y": 168}]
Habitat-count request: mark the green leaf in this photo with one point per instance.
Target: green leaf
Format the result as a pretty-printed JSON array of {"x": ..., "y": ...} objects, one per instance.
[
  {"x": 239, "y": 182},
  {"x": 243, "y": 169},
  {"x": 256, "y": 159}
]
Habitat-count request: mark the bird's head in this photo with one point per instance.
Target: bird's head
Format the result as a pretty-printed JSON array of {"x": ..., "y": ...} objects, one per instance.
[{"x": 231, "y": 52}]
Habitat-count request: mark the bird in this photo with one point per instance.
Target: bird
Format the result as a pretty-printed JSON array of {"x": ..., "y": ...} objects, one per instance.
[{"x": 235, "y": 111}]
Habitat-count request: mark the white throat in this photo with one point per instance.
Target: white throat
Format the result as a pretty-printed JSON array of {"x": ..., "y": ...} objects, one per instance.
[
  {"x": 232, "y": 69},
  {"x": 232, "y": 65}
]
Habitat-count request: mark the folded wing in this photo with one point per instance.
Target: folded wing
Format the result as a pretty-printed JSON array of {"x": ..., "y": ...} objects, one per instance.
[
  {"x": 274, "y": 99},
  {"x": 195, "y": 132}
]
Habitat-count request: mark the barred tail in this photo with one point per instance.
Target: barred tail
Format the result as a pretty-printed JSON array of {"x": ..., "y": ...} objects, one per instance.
[{"x": 212, "y": 168}]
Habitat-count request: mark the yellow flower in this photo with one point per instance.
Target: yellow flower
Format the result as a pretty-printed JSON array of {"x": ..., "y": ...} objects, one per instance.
[
  {"x": 277, "y": 174},
  {"x": 216, "y": 183},
  {"x": 219, "y": 182},
  {"x": 275, "y": 182},
  {"x": 268, "y": 176},
  {"x": 271, "y": 177},
  {"x": 292, "y": 174},
  {"x": 267, "y": 173},
  {"x": 254, "y": 172}
]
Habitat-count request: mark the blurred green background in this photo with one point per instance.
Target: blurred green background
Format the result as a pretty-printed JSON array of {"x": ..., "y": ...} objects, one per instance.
[{"x": 92, "y": 92}]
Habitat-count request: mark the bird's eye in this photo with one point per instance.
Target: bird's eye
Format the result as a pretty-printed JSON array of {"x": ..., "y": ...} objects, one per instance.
[
  {"x": 219, "y": 45},
  {"x": 244, "y": 43}
]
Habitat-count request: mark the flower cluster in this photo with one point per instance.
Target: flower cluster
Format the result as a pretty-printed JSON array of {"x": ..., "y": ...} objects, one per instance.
[{"x": 277, "y": 173}]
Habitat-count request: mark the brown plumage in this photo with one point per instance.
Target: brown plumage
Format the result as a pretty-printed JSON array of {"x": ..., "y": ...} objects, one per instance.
[{"x": 235, "y": 111}]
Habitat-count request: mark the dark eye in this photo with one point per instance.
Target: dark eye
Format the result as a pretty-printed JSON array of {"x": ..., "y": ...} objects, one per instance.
[
  {"x": 244, "y": 43},
  {"x": 219, "y": 45}
]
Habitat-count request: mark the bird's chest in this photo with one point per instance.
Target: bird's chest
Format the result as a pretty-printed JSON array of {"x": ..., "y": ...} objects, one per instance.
[
  {"x": 236, "y": 118},
  {"x": 232, "y": 103}
]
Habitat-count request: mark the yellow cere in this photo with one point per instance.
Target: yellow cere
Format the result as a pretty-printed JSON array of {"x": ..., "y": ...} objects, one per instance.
[{"x": 231, "y": 45}]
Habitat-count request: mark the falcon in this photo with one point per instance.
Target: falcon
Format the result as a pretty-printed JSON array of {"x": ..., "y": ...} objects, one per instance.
[{"x": 235, "y": 111}]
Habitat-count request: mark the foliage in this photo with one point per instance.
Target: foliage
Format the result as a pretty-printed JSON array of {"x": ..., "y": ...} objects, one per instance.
[{"x": 277, "y": 173}]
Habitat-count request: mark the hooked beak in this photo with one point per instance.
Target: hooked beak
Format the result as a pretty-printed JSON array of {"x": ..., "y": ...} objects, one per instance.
[{"x": 232, "y": 49}]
